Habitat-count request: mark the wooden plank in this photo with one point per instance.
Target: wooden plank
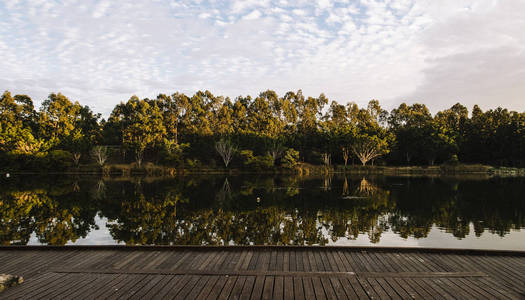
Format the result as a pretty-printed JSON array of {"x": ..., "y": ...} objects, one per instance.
[
  {"x": 298, "y": 289},
  {"x": 288, "y": 287},
  {"x": 129, "y": 282},
  {"x": 205, "y": 291},
  {"x": 299, "y": 261},
  {"x": 258, "y": 287},
  {"x": 254, "y": 261},
  {"x": 318, "y": 288},
  {"x": 40, "y": 285},
  {"x": 328, "y": 288},
  {"x": 409, "y": 289},
  {"x": 367, "y": 288},
  {"x": 268, "y": 288},
  {"x": 156, "y": 280},
  {"x": 156, "y": 289},
  {"x": 77, "y": 286},
  {"x": 217, "y": 288},
  {"x": 206, "y": 263},
  {"x": 309, "y": 292},
  {"x": 340, "y": 291},
  {"x": 286, "y": 261},
  {"x": 378, "y": 289},
  {"x": 293, "y": 260},
  {"x": 398, "y": 288},
  {"x": 424, "y": 294},
  {"x": 356, "y": 286},
  {"x": 237, "y": 288},
  {"x": 388, "y": 288},
  {"x": 264, "y": 261},
  {"x": 424, "y": 286},
  {"x": 438, "y": 285},
  {"x": 49, "y": 286},
  {"x": 280, "y": 261},
  {"x": 240, "y": 262},
  {"x": 247, "y": 287},
  {"x": 498, "y": 290},
  {"x": 167, "y": 288},
  {"x": 273, "y": 261},
  {"x": 247, "y": 261},
  {"x": 133, "y": 288},
  {"x": 197, "y": 288},
  {"x": 278, "y": 287},
  {"x": 188, "y": 287},
  {"x": 107, "y": 288}
]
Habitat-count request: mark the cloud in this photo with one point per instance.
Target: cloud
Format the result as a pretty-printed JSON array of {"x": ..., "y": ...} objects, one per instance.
[
  {"x": 101, "y": 52},
  {"x": 255, "y": 14}
]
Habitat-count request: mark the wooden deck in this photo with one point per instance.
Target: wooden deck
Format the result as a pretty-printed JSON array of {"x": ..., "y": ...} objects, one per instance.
[{"x": 262, "y": 272}]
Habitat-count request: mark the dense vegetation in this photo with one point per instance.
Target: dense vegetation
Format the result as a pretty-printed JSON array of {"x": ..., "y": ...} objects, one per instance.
[{"x": 265, "y": 132}]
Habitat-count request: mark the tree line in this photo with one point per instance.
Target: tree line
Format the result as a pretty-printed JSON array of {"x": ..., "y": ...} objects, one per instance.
[{"x": 265, "y": 132}]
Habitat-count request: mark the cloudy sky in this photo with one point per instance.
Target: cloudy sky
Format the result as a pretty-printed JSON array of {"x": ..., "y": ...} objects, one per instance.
[{"x": 100, "y": 52}]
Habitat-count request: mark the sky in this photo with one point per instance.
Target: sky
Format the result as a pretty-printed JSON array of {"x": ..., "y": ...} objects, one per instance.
[{"x": 101, "y": 52}]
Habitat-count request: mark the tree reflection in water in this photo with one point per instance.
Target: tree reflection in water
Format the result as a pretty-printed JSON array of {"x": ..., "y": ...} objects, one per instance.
[{"x": 215, "y": 210}]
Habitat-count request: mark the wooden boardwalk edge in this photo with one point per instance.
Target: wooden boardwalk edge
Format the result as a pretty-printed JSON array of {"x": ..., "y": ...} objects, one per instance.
[{"x": 261, "y": 272}]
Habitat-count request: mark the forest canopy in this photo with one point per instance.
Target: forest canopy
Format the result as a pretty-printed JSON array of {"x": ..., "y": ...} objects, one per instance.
[{"x": 263, "y": 132}]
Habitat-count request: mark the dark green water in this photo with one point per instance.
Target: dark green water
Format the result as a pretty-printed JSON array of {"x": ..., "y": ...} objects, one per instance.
[{"x": 274, "y": 210}]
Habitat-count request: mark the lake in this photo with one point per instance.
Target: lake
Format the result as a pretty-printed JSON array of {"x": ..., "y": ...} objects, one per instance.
[{"x": 444, "y": 212}]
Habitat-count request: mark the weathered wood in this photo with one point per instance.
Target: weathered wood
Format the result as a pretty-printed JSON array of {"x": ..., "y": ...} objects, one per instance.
[{"x": 262, "y": 272}]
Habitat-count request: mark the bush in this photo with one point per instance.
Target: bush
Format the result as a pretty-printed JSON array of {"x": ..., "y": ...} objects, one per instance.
[
  {"x": 453, "y": 160},
  {"x": 193, "y": 163},
  {"x": 59, "y": 160},
  {"x": 290, "y": 159},
  {"x": 262, "y": 162}
]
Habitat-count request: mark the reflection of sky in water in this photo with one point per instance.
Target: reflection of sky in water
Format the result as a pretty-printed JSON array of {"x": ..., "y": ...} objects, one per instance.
[
  {"x": 99, "y": 236},
  {"x": 437, "y": 238}
]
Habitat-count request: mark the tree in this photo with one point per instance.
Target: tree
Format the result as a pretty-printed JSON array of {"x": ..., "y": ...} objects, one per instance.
[
  {"x": 141, "y": 125},
  {"x": 367, "y": 148},
  {"x": 226, "y": 150},
  {"x": 346, "y": 154},
  {"x": 276, "y": 151},
  {"x": 100, "y": 154},
  {"x": 290, "y": 159},
  {"x": 327, "y": 159}
]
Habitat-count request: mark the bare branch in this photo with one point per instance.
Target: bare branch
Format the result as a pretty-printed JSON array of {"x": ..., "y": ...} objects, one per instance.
[
  {"x": 225, "y": 150},
  {"x": 100, "y": 154}
]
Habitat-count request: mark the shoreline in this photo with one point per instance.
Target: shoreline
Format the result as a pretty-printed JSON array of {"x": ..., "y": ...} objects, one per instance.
[{"x": 302, "y": 170}]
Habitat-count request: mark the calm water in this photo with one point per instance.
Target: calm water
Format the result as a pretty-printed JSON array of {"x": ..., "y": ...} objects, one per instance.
[{"x": 243, "y": 210}]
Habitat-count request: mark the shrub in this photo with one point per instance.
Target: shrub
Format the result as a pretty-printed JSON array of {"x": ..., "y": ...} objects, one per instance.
[
  {"x": 453, "y": 161},
  {"x": 290, "y": 159},
  {"x": 262, "y": 162},
  {"x": 59, "y": 160}
]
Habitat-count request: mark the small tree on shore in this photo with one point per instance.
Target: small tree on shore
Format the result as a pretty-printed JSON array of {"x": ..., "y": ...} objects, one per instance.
[
  {"x": 327, "y": 159},
  {"x": 276, "y": 152},
  {"x": 76, "y": 158},
  {"x": 367, "y": 148},
  {"x": 346, "y": 154},
  {"x": 100, "y": 154},
  {"x": 226, "y": 150}
]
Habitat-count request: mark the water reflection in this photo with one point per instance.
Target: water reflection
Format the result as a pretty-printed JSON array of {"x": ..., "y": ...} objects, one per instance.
[{"x": 217, "y": 210}]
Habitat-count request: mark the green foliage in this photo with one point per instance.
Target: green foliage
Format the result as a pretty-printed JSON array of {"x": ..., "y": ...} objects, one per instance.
[
  {"x": 453, "y": 160},
  {"x": 260, "y": 162},
  {"x": 59, "y": 160},
  {"x": 172, "y": 154},
  {"x": 290, "y": 159},
  {"x": 173, "y": 128}
]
